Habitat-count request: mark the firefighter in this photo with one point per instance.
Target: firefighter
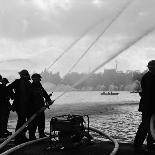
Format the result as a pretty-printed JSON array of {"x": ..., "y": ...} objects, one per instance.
[
  {"x": 39, "y": 99},
  {"x": 22, "y": 91},
  {"x": 147, "y": 107},
  {"x": 5, "y": 96}
]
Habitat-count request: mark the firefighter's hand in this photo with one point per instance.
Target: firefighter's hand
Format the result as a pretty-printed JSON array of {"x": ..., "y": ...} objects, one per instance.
[{"x": 49, "y": 103}]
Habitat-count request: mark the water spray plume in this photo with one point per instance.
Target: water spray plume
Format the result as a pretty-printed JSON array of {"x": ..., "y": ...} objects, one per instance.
[
  {"x": 98, "y": 37},
  {"x": 83, "y": 34},
  {"x": 73, "y": 43},
  {"x": 127, "y": 46}
]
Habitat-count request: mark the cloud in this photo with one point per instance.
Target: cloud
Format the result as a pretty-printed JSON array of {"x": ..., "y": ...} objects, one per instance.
[
  {"x": 52, "y": 5},
  {"x": 42, "y": 18},
  {"x": 9, "y": 65}
]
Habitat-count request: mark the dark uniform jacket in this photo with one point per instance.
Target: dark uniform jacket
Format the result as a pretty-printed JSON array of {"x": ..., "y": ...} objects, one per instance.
[
  {"x": 5, "y": 95},
  {"x": 147, "y": 101},
  {"x": 22, "y": 92},
  {"x": 38, "y": 96}
]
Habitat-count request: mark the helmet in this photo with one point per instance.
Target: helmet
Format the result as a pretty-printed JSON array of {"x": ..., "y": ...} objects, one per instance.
[
  {"x": 5, "y": 80},
  {"x": 36, "y": 76},
  {"x": 151, "y": 64},
  {"x": 24, "y": 73}
]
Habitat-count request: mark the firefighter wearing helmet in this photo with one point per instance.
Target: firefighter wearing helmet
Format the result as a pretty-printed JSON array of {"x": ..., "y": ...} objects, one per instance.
[
  {"x": 22, "y": 99},
  {"x": 147, "y": 107},
  {"x": 39, "y": 98},
  {"x": 24, "y": 74},
  {"x": 5, "y": 96}
]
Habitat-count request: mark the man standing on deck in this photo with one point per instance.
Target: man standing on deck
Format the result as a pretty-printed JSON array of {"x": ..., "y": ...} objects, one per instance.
[
  {"x": 22, "y": 91},
  {"x": 38, "y": 99},
  {"x": 147, "y": 107},
  {"x": 5, "y": 96}
]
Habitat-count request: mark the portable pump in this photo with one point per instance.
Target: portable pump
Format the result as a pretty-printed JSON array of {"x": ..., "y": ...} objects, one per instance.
[{"x": 68, "y": 131}]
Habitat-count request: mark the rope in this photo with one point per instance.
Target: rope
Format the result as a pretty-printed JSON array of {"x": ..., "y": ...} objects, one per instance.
[{"x": 114, "y": 151}]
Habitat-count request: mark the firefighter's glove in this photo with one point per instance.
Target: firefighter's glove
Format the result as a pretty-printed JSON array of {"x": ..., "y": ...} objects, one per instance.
[{"x": 49, "y": 103}]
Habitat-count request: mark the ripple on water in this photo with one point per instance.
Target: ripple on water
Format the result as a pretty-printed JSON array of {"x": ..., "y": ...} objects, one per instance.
[{"x": 122, "y": 125}]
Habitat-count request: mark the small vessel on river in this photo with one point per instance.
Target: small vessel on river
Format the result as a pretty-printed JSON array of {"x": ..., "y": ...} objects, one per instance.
[
  {"x": 134, "y": 91},
  {"x": 109, "y": 93}
]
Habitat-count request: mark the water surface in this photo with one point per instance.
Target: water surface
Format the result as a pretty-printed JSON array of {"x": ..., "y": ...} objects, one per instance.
[{"x": 116, "y": 115}]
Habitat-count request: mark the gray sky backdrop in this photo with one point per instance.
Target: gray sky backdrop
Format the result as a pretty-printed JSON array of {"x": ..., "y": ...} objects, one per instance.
[{"x": 33, "y": 33}]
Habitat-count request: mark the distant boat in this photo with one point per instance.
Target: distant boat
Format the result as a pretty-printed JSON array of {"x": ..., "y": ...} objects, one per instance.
[
  {"x": 109, "y": 93},
  {"x": 134, "y": 91}
]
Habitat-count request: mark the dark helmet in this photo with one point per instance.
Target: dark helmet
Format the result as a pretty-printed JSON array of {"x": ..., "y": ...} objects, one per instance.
[
  {"x": 24, "y": 73},
  {"x": 151, "y": 64},
  {"x": 36, "y": 76},
  {"x": 5, "y": 80}
]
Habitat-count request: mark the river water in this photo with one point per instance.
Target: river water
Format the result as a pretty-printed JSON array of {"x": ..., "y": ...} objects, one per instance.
[{"x": 116, "y": 115}]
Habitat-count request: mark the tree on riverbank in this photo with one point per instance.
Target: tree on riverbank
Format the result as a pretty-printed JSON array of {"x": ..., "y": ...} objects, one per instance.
[{"x": 109, "y": 80}]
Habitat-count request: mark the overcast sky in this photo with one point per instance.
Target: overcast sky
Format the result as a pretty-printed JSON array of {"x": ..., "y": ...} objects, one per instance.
[{"x": 33, "y": 33}]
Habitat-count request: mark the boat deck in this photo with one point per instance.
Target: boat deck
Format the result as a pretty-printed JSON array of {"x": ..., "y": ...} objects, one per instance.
[{"x": 98, "y": 148}]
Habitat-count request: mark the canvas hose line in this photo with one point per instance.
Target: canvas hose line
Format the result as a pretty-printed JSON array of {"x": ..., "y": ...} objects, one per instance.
[
  {"x": 84, "y": 33},
  {"x": 134, "y": 41},
  {"x": 114, "y": 151}
]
